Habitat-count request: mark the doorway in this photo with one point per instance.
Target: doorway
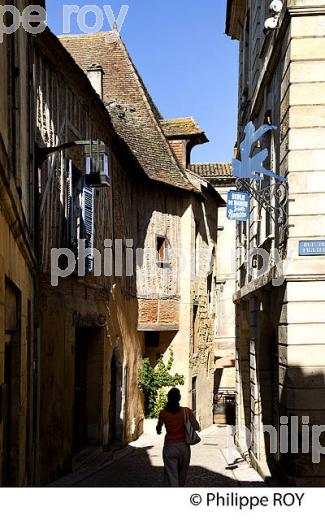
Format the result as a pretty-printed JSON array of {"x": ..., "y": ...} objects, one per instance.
[
  {"x": 7, "y": 417},
  {"x": 88, "y": 377},
  {"x": 113, "y": 396},
  {"x": 11, "y": 386}
]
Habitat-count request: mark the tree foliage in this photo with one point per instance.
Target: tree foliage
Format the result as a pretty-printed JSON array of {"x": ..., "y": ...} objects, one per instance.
[{"x": 154, "y": 381}]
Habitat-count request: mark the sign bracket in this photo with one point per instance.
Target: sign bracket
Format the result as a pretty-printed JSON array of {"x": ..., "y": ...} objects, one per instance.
[{"x": 272, "y": 198}]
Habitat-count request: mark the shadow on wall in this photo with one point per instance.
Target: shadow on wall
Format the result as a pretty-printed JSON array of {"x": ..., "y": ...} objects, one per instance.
[
  {"x": 217, "y": 379},
  {"x": 303, "y": 396},
  {"x": 287, "y": 394},
  {"x": 157, "y": 344}
]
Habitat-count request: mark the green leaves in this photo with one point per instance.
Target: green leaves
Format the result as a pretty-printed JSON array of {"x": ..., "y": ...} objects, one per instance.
[{"x": 153, "y": 381}]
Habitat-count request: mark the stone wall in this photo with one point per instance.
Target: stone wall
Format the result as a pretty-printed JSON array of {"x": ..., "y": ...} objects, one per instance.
[
  {"x": 280, "y": 330},
  {"x": 204, "y": 243},
  {"x": 224, "y": 334},
  {"x": 17, "y": 265}
]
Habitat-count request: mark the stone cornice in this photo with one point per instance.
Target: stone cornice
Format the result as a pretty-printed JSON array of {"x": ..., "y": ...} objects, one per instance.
[
  {"x": 264, "y": 282},
  {"x": 255, "y": 285},
  {"x": 299, "y": 7}
]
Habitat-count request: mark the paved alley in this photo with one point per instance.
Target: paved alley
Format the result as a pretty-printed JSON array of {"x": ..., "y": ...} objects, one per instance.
[{"x": 140, "y": 465}]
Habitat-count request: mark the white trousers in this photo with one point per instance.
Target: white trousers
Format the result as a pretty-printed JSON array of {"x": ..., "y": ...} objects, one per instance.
[{"x": 177, "y": 461}]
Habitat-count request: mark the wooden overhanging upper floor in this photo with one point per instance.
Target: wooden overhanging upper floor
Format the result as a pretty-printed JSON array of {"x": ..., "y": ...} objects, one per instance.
[{"x": 236, "y": 12}]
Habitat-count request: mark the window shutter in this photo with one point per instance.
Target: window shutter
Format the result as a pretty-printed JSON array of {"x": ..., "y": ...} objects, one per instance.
[
  {"x": 88, "y": 224},
  {"x": 69, "y": 205}
]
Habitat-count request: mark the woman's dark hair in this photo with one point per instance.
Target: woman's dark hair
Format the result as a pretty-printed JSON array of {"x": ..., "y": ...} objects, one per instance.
[{"x": 173, "y": 399}]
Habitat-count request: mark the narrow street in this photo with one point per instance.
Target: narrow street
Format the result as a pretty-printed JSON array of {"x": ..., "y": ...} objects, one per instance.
[
  {"x": 140, "y": 464},
  {"x": 162, "y": 245}
]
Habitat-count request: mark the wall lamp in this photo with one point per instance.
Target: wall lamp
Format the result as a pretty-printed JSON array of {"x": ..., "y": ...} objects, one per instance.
[{"x": 96, "y": 154}]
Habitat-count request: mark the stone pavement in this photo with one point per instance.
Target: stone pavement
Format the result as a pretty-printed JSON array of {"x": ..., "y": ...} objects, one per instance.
[{"x": 140, "y": 464}]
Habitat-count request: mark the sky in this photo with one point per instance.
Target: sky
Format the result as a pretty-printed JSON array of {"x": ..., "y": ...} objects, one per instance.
[{"x": 188, "y": 64}]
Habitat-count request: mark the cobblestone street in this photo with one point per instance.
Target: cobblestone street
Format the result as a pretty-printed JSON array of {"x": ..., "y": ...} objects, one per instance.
[{"x": 140, "y": 465}]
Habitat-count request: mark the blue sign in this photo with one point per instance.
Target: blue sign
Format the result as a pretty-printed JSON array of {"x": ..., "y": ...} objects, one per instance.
[
  {"x": 312, "y": 248},
  {"x": 238, "y": 205},
  {"x": 251, "y": 167}
]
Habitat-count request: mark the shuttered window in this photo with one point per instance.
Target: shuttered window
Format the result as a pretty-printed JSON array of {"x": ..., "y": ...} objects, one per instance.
[
  {"x": 70, "y": 218},
  {"x": 80, "y": 214},
  {"x": 88, "y": 220}
]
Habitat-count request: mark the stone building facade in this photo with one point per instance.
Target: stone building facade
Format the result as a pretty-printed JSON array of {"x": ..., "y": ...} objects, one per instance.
[
  {"x": 176, "y": 218},
  {"x": 223, "y": 286},
  {"x": 99, "y": 326},
  {"x": 72, "y": 312},
  {"x": 280, "y": 321},
  {"x": 17, "y": 263},
  {"x": 74, "y": 327}
]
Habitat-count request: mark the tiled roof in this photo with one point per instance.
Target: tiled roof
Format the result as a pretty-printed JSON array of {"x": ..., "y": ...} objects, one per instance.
[
  {"x": 186, "y": 126},
  {"x": 207, "y": 170},
  {"x": 135, "y": 117}
]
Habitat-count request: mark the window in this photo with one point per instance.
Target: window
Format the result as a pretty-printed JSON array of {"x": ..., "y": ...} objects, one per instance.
[
  {"x": 197, "y": 247},
  {"x": 270, "y": 163},
  {"x": 151, "y": 339},
  {"x": 73, "y": 205},
  {"x": 80, "y": 211},
  {"x": 161, "y": 246},
  {"x": 87, "y": 227},
  {"x": 194, "y": 384},
  {"x": 196, "y": 328},
  {"x": 247, "y": 54},
  {"x": 210, "y": 276},
  {"x": 209, "y": 288},
  {"x": 162, "y": 251}
]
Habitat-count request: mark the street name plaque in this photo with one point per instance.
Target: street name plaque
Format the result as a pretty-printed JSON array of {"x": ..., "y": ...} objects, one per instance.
[
  {"x": 312, "y": 248},
  {"x": 238, "y": 205}
]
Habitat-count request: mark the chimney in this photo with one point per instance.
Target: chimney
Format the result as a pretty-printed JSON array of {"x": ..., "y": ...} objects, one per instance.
[
  {"x": 180, "y": 150},
  {"x": 96, "y": 76},
  {"x": 183, "y": 134}
]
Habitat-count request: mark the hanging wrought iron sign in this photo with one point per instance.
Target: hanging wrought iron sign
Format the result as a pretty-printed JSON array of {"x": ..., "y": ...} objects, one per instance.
[
  {"x": 238, "y": 205},
  {"x": 251, "y": 167},
  {"x": 248, "y": 168}
]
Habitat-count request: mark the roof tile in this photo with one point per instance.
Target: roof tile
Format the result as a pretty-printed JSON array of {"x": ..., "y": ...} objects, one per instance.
[
  {"x": 207, "y": 170},
  {"x": 134, "y": 115},
  {"x": 181, "y": 127}
]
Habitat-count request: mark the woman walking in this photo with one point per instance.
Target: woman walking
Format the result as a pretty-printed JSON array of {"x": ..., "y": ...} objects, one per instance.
[{"x": 176, "y": 453}]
